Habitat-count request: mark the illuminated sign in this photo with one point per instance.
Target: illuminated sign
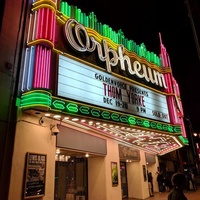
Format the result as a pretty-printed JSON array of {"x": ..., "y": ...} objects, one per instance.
[
  {"x": 79, "y": 40},
  {"x": 128, "y": 153},
  {"x": 83, "y": 83},
  {"x": 42, "y": 100}
]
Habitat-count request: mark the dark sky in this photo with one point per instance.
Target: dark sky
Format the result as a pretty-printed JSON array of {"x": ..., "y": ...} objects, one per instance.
[{"x": 141, "y": 21}]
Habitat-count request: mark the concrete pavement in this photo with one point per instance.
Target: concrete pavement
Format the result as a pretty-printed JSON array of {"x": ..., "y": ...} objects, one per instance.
[{"x": 191, "y": 195}]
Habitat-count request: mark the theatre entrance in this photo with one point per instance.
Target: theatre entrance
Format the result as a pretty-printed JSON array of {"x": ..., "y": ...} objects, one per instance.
[
  {"x": 71, "y": 179},
  {"x": 123, "y": 174}
]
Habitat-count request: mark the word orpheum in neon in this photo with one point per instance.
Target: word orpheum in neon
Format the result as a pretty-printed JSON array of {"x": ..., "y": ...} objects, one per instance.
[{"x": 78, "y": 38}]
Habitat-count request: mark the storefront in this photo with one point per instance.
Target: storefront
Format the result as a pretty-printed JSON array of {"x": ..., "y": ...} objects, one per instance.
[{"x": 94, "y": 108}]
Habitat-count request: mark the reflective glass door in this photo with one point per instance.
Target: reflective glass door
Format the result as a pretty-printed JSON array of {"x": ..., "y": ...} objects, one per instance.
[{"x": 123, "y": 174}]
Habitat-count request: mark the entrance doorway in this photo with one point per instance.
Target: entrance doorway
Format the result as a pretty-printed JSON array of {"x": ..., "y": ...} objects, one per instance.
[
  {"x": 71, "y": 179},
  {"x": 124, "y": 185}
]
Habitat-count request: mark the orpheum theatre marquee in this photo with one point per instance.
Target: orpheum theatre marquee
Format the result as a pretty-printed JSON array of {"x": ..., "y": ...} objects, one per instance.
[{"x": 78, "y": 67}]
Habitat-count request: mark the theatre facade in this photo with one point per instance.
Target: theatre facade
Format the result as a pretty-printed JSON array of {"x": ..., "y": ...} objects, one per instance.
[{"x": 95, "y": 109}]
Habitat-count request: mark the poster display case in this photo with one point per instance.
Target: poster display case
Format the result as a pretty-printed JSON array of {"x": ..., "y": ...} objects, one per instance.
[{"x": 35, "y": 174}]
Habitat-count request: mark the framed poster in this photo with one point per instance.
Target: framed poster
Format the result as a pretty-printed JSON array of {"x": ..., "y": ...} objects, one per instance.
[
  {"x": 114, "y": 173},
  {"x": 35, "y": 175}
]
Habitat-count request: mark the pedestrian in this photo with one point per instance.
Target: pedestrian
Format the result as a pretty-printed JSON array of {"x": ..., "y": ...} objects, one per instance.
[
  {"x": 178, "y": 181},
  {"x": 150, "y": 182},
  {"x": 167, "y": 181},
  {"x": 160, "y": 180},
  {"x": 194, "y": 185},
  {"x": 191, "y": 185}
]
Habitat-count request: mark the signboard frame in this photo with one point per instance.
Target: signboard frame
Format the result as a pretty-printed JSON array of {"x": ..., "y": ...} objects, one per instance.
[
  {"x": 35, "y": 175},
  {"x": 79, "y": 81},
  {"x": 114, "y": 174}
]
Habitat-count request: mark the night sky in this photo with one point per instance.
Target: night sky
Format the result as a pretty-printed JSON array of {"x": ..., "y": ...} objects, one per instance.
[{"x": 141, "y": 21}]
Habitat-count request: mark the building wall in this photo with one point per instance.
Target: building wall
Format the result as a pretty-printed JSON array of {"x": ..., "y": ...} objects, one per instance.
[
  {"x": 11, "y": 34},
  {"x": 99, "y": 174},
  {"x": 137, "y": 186},
  {"x": 28, "y": 134},
  {"x": 35, "y": 138},
  {"x": 153, "y": 168},
  {"x": 112, "y": 156},
  {"x": 31, "y": 137},
  {"x": 97, "y": 178}
]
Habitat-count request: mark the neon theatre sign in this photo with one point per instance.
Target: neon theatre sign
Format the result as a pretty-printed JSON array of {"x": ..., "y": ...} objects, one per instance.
[{"x": 80, "y": 41}]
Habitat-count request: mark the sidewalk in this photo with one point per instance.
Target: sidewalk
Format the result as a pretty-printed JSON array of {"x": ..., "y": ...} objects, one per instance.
[{"x": 191, "y": 195}]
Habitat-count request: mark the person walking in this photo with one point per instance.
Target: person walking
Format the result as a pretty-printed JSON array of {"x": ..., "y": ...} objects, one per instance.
[
  {"x": 192, "y": 182},
  {"x": 150, "y": 182},
  {"x": 160, "y": 180},
  {"x": 178, "y": 181},
  {"x": 167, "y": 181}
]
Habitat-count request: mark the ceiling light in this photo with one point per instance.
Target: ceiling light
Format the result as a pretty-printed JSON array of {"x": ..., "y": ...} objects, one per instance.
[
  {"x": 57, "y": 151},
  {"x": 57, "y": 116},
  {"x": 75, "y": 119}
]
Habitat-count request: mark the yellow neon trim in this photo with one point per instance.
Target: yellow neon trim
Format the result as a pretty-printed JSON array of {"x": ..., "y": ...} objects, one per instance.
[
  {"x": 99, "y": 38},
  {"x": 61, "y": 16},
  {"x": 44, "y": 6},
  {"x": 33, "y": 91},
  {"x": 44, "y": 2},
  {"x": 141, "y": 128},
  {"x": 95, "y": 66},
  {"x": 130, "y": 54},
  {"x": 36, "y": 106},
  {"x": 41, "y": 41},
  {"x": 120, "y": 114}
]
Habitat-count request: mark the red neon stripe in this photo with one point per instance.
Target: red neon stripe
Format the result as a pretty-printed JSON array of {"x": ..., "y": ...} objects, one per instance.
[
  {"x": 35, "y": 67},
  {"x": 38, "y": 24},
  {"x": 47, "y": 24},
  {"x": 34, "y": 31},
  {"x": 39, "y": 67},
  {"x": 172, "y": 110},
  {"x": 51, "y": 14},
  {"x": 53, "y": 28},
  {"x": 48, "y": 68},
  {"x": 41, "y": 22},
  {"x": 42, "y": 67},
  {"x": 40, "y": 72}
]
